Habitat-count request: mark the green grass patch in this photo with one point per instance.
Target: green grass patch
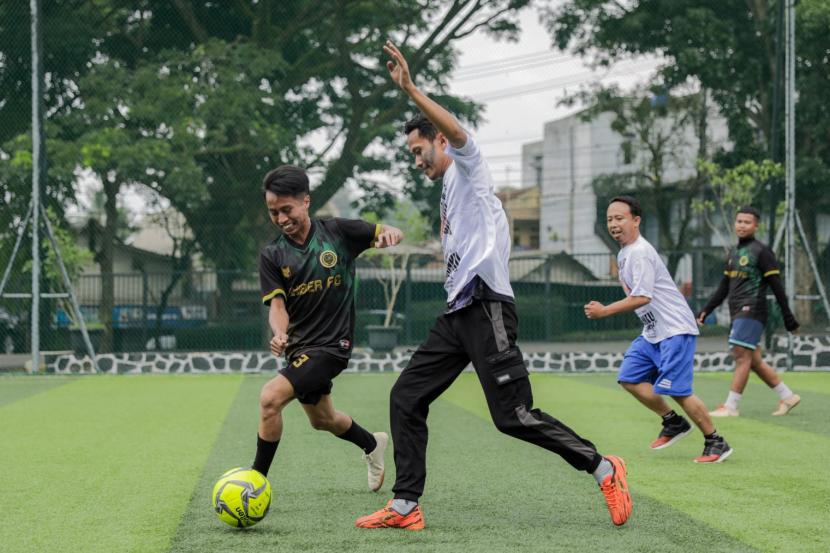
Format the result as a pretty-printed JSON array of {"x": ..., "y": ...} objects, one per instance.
[
  {"x": 775, "y": 473},
  {"x": 127, "y": 464},
  {"x": 106, "y": 463}
]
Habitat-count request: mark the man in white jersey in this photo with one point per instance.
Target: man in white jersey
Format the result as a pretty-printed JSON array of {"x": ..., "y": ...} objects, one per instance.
[
  {"x": 660, "y": 361},
  {"x": 478, "y": 327}
]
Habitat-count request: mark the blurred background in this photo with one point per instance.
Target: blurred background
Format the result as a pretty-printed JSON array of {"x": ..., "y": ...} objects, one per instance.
[{"x": 162, "y": 117}]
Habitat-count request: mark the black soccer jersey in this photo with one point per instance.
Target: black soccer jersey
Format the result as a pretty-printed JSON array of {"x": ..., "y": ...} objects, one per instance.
[
  {"x": 751, "y": 268},
  {"x": 317, "y": 282}
]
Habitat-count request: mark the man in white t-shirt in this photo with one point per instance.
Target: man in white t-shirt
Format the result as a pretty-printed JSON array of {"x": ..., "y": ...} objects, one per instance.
[
  {"x": 478, "y": 327},
  {"x": 660, "y": 361}
]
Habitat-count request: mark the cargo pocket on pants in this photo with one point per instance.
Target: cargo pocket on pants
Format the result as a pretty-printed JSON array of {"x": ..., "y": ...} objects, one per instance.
[{"x": 507, "y": 366}]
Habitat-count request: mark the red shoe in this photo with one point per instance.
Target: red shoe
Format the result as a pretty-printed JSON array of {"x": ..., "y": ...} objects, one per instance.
[
  {"x": 615, "y": 490},
  {"x": 389, "y": 518}
]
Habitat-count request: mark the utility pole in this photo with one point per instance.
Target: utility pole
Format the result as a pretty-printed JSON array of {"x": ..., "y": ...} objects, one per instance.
[
  {"x": 789, "y": 139},
  {"x": 37, "y": 173}
]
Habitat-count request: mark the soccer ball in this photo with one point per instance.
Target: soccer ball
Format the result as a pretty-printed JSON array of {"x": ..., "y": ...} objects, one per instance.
[{"x": 241, "y": 497}]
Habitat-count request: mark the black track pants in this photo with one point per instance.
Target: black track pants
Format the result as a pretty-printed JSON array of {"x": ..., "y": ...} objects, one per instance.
[{"x": 483, "y": 333}]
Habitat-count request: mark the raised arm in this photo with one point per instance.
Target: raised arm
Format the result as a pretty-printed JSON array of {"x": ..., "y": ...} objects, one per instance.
[{"x": 443, "y": 120}]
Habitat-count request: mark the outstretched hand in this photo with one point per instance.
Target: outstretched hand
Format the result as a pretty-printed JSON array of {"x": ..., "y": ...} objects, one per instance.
[{"x": 397, "y": 66}]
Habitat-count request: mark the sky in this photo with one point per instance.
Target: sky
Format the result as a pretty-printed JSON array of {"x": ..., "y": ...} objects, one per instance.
[{"x": 521, "y": 85}]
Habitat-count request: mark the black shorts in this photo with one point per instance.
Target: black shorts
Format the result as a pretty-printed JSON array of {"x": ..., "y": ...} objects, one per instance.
[{"x": 311, "y": 373}]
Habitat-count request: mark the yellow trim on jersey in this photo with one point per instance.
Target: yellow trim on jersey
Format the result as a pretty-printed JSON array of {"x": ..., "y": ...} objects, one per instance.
[
  {"x": 772, "y": 272},
  {"x": 273, "y": 294},
  {"x": 378, "y": 228}
]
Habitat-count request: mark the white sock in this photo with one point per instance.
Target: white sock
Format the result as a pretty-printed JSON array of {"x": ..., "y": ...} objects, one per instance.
[
  {"x": 783, "y": 391},
  {"x": 732, "y": 400},
  {"x": 604, "y": 470},
  {"x": 403, "y": 506}
]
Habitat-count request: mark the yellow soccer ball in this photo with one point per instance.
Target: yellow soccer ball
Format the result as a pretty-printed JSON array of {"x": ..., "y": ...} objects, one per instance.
[{"x": 241, "y": 497}]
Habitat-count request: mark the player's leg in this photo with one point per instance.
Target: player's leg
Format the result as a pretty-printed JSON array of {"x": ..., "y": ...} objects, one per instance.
[
  {"x": 274, "y": 396},
  {"x": 323, "y": 416},
  {"x": 488, "y": 331},
  {"x": 787, "y": 399},
  {"x": 637, "y": 375},
  {"x": 674, "y": 379},
  {"x": 743, "y": 340},
  {"x": 431, "y": 370}
]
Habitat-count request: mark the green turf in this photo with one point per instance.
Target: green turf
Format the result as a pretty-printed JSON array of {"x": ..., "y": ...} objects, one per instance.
[
  {"x": 15, "y": 388},
  {"x": 127, "y": 464},
  {"x": 106, "y": 463}
]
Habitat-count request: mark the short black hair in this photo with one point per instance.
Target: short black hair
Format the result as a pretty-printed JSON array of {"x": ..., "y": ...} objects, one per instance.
[
  {"x": 423, "y": 125},
  {"x": 751, "y": 210},
  {"x": 633, "y": 204},
  {"x": 286, "y": 180}
]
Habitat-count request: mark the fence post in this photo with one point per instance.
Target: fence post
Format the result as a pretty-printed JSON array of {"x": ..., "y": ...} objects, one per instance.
[
  {"x": 144, "y": 306},
  {"x": 548, "y": 314}
]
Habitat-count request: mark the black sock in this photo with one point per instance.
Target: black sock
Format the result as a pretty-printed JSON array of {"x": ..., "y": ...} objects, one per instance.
[
  {"x": 360, "y": 437},
  {"x": 713, "y": 436},
  {"x": 265, "y": 452},
  {"x": 672, "y": 418}
]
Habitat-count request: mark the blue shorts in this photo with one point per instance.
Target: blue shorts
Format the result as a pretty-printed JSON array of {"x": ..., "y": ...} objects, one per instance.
[
  {"x": 746, "y": 333},
  {"x": 668, "y": 365}
]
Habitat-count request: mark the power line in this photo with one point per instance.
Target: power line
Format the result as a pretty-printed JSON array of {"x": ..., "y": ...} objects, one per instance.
[
  {"x": 506, "y": 68},
  {"x": 520, "y": 58},
  {"x": 545, "y": 86}
]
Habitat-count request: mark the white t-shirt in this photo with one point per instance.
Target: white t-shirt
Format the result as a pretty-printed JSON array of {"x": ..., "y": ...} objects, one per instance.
[
  {"x": 475, "y": 236},
  {"x": 643, "y": 273}
]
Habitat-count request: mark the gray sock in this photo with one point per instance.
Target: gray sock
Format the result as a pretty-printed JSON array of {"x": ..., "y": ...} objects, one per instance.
[
  {"x": 604, "y": 470},
  {"x": 404, "y": 506}
]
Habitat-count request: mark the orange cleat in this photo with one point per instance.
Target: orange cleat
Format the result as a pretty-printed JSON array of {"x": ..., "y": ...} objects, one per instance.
[
  {"x": 615, "y": 490},
  {"x": 389, "y": 518}
]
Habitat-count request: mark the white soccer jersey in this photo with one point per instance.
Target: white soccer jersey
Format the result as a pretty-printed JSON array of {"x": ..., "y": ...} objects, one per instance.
[
  {"x": 475, "y": 236},
  {"x": 643, "y": 273}
]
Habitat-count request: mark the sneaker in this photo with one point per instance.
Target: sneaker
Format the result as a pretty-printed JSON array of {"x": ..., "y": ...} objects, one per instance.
[
  {"x": 374, "y": 461},
  {"x": 715, "y": 450},
  {"x": 787, "y": 405},
  {"x": 390, "y": 518},
  {"x": 671, "y": 433},
  {"x": 724, "y": 411},
  {"x": 615, "y": 490}
]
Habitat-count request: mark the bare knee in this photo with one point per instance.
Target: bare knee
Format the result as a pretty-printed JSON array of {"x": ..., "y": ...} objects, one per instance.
[
  {"x": 274, "y": 396},
  {"x": 630, "y": 387}
]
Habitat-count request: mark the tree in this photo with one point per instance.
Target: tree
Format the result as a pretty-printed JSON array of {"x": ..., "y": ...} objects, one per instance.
[
  {"x": 662, "y": 135},
  {"x": 730, "y": 189},
  {"x": 731, "y": 48},
  {"x": 198, "y": 99},
  {"x": 392, "y": 263}
]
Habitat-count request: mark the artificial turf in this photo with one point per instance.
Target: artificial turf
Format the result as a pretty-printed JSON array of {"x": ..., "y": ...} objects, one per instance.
[{"x": 126, "y": 463}]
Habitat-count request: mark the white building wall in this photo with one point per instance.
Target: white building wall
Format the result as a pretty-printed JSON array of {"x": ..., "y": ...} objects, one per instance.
[{"x": 574, "y": 153}]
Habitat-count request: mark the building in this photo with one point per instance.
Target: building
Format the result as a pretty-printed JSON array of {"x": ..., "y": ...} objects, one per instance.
[
  {"x": 573, "y": 153},
  {"x": 522, "y": 209}
]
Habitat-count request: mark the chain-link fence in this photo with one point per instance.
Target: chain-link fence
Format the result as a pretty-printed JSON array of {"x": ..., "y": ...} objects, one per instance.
[
  {"x": 222, "y": 310},
  {"x": 185, "y": 105}
]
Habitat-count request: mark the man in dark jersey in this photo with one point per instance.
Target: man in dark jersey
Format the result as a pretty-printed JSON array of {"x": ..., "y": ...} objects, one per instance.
[
  {"x": 751, "y": 268},
  {"x": 307, "y": 278}
]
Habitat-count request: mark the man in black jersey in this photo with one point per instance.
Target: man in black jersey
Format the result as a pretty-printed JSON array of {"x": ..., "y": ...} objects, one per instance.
[
  {"x": 307, "y": 278},
  {"x": 751, "y": 268}
]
